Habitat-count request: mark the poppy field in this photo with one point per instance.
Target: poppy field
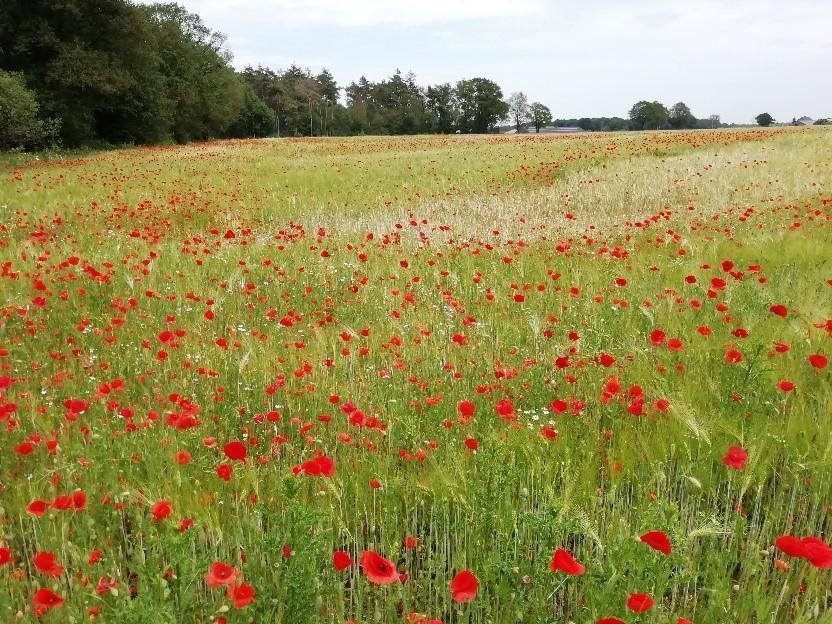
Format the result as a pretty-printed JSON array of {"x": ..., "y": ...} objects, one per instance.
[{"x": 420, "y": 379}]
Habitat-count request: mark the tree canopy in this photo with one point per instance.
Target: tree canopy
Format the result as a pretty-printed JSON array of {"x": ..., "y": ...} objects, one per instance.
[
  {"x": 764, "y": 119},
  {"x": 646, "y": 115},
  {"x": 540, "y": 115}
]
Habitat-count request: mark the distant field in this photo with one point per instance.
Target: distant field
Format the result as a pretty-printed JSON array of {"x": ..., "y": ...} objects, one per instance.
[{"x": 581, "y": 368}]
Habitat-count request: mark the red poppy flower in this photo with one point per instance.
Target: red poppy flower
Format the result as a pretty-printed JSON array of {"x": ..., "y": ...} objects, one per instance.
[
  {"x": 818, "y": 361},
  {"x": 46, "y": 564},
  {"x": 779, "y": 310},
  {"x": 817, "y": 552},
  {"x": 161, "y": 510},
  {"x": 464, "y": 586},
  {"x": 44, "y": 600},
  {"x": 657, "y": 337},
  {"x": 657, "y": 540},
  {"x": 341, "y": 560},
  {"x": 563, "y": 561},
  {"x": 224, "y": 471},
  {"x": 221, "y": 574},
  {"x": 379, "y": 570},
  {"x": 318, "y": 466},
  {"x": 5, "y": 556},
  {"x": 610, "y": 620},
  {"x": 733, "y": 356},
  {"x": 735, "y": 458},
  {"x": 790, "y": 545},
  {"x": 235, "y": 451},
  {"x": 640, "y": 603},
  {"x": 505, "y": 410},
  {"x": 240, "y": 595},
  {"x": 466, "y": 409},
  {"x": 785, "y": 385},
  {"x": 37, "y": 507}
]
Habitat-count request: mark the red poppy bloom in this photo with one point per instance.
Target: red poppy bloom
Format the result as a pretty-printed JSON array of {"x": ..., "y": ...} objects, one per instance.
[
  {"x": 46, "y": 564},
  {"x": 817, "y": 552},
  {"x": 657, "y": 337},
  {"x": 235, "y": 451},
  {"x": 785, "y": 385},
  {"x": 818, "y": 361},
  {"x": 318, "y": 466},
  {"x": 240, "y": 595},
  {"x": 379, "y": 570},
  {"x": 610, "y": 620},
  {"x": 161, "y": 510},
  {"x": 221, "y": 574},
  {"x": 735, "y": 458},
  {"x": 779, "y": 310},
  {"x": 733, "y": 356},
  {"x": 44, "y": 600},
  {"x": 224, "y": 471},
  {"x": 37, "y": 507},
  {"x": 464, "y": 586},
  {"x": 5, "y": 556},
  {"x": 466, "y": 409},
  {"x": 657, "y": 540},
  {"x": 790, "y": 545},
  {"x": 640, "y": 603},
  {"x": 341, "y": 560},
  {"x": 563, "y": 561},
  {"x": 505, "y": 409}
]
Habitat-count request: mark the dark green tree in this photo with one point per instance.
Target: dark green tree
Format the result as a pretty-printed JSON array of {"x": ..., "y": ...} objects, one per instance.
[
  {"x": 481, "y": 105},
  {"x": 680, "y": 116},
  {"x": 764, "y": 120},
  {"x": 256, "y": 119},
  {"x": 646, "y": 115},
  {"x": 440, "y": 101},
  {"x": 20, "y": 123},
  {"x": 89, "y": 63},
  {"x": 206, "y": 94},
  {"x": 541, "y": 115}
]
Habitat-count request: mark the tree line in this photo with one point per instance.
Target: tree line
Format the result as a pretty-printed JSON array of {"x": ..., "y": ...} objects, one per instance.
[
  {"x": 109, "y": 72},
  {"x": 97, "y": 72}
]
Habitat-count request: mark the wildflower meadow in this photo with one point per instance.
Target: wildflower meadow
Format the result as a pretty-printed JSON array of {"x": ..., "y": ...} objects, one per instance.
[{"x": 434, "y": 379}]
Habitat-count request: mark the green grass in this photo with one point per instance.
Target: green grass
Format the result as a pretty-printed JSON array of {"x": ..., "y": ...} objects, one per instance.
[{"x": 418, "y": 240}]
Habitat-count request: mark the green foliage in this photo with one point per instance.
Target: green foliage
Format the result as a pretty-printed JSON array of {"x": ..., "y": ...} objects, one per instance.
[
  {"x": 118, "y": 73},
  {"x": 256, "y": 119},
  {"x": 540, "y": 115},
  {"x": 764, "y": 120},
  {"x": 481, "y": 105},
  {"x": 441, "y": 102},
  {"x": 646, "y": 115},
  {"x": 20, "y": 123},
  {"x": 393, "y": 106},
  {"x": 680, "y": 117}
]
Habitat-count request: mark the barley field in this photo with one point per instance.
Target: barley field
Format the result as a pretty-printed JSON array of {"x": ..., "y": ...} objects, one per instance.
[{"x": 474, "y": 380}]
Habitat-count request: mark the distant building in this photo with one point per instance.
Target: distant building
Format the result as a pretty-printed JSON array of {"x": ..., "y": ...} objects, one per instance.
[
  {"x": 560, "y": 129},
  {"x": 527, "y": 129},
  {"x": 803, "y": 121}
]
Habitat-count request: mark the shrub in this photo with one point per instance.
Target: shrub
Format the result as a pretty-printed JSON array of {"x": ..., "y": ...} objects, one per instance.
[{"x": 20, "y": 123}]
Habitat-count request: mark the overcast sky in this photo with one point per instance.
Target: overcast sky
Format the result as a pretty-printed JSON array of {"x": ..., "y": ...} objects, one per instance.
[{"x": 583, "y": 58}]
